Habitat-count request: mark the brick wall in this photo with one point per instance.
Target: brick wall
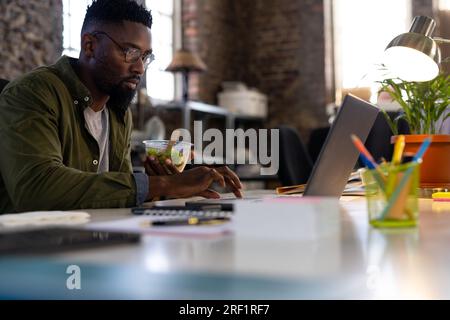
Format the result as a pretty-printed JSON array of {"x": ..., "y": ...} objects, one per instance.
[
  {"x": 30, "y": 35},
  {"x": 276, "y": 46},
  {"x": 284, "y": 49},
  {"x": 430, "y": 8},
  {"x": 444, "y": 32},
  {"x": 423, "y": 7},
  {"x": 209, "y": 28}
]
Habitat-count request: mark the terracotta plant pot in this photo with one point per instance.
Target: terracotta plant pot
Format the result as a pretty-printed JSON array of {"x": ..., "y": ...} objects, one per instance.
[{"x": 435, "y": 168}]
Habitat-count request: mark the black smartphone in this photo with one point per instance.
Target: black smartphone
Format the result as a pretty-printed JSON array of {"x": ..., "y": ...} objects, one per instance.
[
  {"x": 56, "y": 239},
  {"x": 210, "y": 206}
]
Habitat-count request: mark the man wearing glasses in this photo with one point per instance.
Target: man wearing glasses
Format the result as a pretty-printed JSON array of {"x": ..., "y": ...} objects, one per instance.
[{"x": 65, "y": 129}]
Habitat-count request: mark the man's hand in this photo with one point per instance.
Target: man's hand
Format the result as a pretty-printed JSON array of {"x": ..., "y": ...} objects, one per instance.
[
  {"x": 194, "y": 182},
  {"x": 231, "y": 180},
  {"x": 154, "y": 168}
]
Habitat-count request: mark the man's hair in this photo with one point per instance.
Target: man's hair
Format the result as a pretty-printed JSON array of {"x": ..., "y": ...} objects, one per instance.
[{"x": 116, "y": 11}]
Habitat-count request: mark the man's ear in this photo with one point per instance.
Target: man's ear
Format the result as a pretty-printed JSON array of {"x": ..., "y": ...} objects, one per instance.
[{"x": 88, "y": 43}]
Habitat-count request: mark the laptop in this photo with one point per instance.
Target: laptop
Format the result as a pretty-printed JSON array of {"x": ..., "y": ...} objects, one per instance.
[{"x": 338, "y": 155}]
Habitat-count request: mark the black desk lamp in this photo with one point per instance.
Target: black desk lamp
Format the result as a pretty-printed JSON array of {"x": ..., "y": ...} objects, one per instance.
[{"x": 186, "y": 62}]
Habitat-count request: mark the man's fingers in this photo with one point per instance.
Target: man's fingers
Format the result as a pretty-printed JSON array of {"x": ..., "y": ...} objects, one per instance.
[
  {"x": 170, "y": 167},
  {"x": 148, "y": 169},
  {"x": 217, "y": 177},
  {"x": 233, "y": 187},
  {"x": 233, "y": 176},
  {"x": 209, "y": 194},
  {"x": 230, "y": 183},
  {"x": 157, "y": 167}
]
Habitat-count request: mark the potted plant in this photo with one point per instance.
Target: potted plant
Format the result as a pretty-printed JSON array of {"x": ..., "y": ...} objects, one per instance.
[{"x": 425, "y": 107}]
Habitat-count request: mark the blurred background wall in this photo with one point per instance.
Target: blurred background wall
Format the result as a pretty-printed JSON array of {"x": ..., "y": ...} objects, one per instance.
[
  {"x": 30, "y": 35},
  {"x": 284, "y": 48},
  {"x": 276, "y": 46}
]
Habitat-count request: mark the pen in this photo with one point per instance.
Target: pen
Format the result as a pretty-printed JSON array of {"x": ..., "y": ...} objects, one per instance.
[
  {"x": 366, "y": 157},
  {"x": 366, "y": 161},
  {"x": 189, "y": 221},
  {"x": 362, "y": 149},
  {"x": 423, "y": 148},
  {"x": 379, "y": 177}
]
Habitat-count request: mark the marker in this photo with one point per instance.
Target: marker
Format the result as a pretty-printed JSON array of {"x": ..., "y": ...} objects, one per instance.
[
  {"x": 189, "y": 221},
  {"x": 398, "y": 150},
  {"x": 441, "y": 196}
]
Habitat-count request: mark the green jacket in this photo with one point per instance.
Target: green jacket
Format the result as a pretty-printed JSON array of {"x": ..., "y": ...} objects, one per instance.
[{"x": 48, "y": 159}]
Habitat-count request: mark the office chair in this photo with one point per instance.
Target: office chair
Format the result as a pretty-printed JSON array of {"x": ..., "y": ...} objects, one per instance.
[
  {"x": 3, "y": 83},
  {"x": 295, "y": 163},
  {"x": 379, "y": 140},
  {"x": 316, "y": 141}
]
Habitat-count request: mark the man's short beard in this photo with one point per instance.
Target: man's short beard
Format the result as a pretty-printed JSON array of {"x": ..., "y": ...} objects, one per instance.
[{"x": 120, "y": 99}]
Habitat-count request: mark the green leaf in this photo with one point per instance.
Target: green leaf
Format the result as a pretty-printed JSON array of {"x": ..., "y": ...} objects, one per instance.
[{"x": 423, "y": 103}]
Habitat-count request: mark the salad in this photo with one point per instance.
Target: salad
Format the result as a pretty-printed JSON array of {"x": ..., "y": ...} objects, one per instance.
[{"x": 176, "y": 156}]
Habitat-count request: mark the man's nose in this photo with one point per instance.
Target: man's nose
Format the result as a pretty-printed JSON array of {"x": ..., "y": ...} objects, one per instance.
[{"x": 138, "y": 67}]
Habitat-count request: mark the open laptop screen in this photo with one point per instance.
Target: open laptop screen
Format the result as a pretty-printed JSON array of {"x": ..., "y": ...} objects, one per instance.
[{"x": 338, "y": 155}]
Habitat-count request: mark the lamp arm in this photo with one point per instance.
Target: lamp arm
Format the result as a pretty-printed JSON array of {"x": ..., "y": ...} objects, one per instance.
[{"x": 442, "y": 40}]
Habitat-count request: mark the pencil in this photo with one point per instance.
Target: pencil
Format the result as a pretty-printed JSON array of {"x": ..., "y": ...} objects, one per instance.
[
  {"x": 365, "y": 154},
  {"x": 360, "y": 146}
]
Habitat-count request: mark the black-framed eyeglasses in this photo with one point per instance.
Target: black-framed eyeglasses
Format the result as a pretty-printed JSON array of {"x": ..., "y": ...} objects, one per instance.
[{"x": 132, "y": 55}]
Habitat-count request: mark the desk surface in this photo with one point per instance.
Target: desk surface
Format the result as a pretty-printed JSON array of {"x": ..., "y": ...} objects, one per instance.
[{"x": 335, "y": 254}]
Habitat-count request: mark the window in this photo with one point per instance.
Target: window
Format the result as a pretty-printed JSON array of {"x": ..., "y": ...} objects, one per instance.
[
  {"x": 73, "y": 16},
  {"x": 444, "y": 4},
  {"x": 362, "y": 30},
  {"x": 160, "y": 84}
]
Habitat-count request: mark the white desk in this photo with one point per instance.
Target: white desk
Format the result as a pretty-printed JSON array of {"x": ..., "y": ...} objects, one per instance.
[{"x": 340, "y": 257}]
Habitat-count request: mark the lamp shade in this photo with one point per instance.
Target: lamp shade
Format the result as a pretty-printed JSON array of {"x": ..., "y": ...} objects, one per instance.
[
  {"x": 414, "y": 56},
  {"x": 184, "y": 60}
]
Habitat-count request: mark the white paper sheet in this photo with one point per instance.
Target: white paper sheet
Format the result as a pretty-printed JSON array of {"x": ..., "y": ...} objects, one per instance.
[{"x": 44, "y": 218}]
